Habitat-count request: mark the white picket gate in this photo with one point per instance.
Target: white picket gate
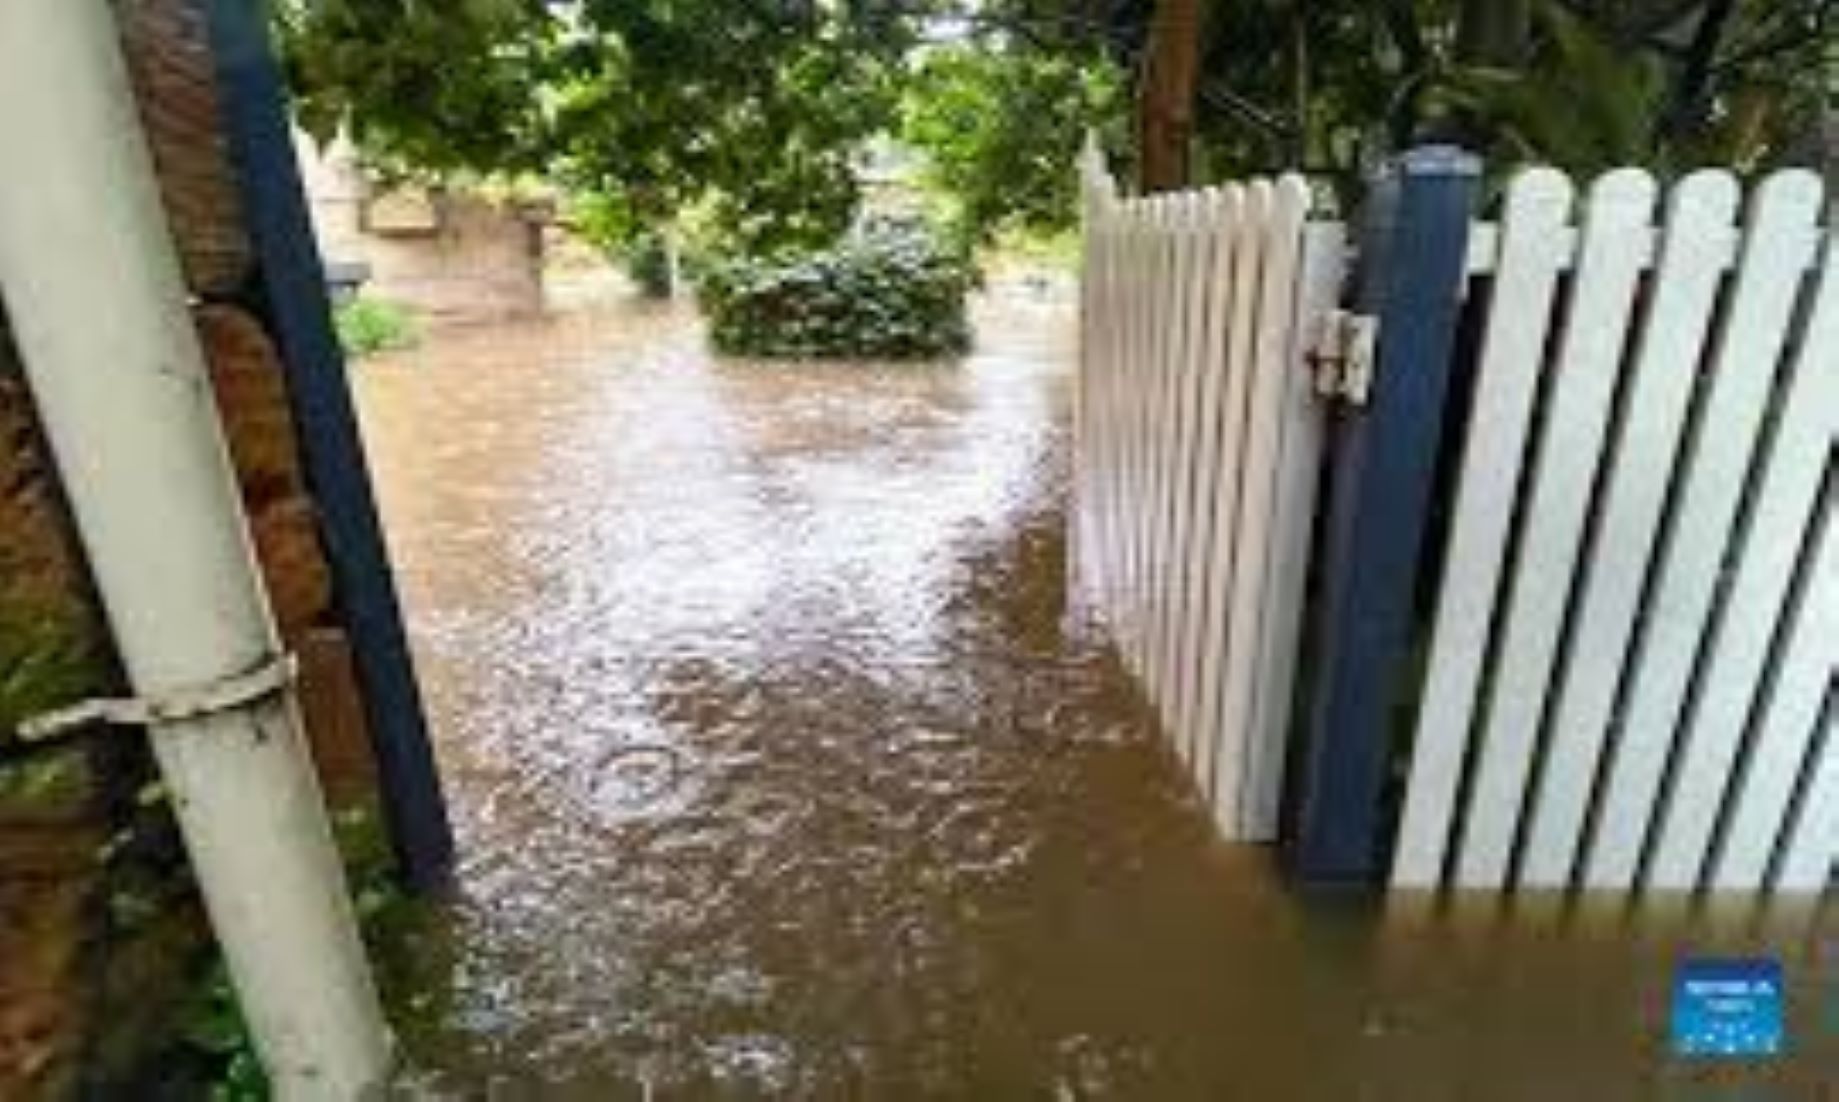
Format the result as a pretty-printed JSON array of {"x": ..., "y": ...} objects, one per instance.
[
  {"x": 1631, "y": 675},
  {"x": 1197, "y": 455}
]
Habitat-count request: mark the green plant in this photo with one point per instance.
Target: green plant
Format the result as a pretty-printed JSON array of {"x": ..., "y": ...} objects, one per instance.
[
  {"x": 647, "y": 261},
  {"x": 44, "y": 663},
  {"x": 613, "y": 225},
  {"x": 369, "y": 326},
  {"x": 56, "y": 778},
  {"x": 999, "y": 130},
  {"x": 48, "y": 659},
  {"x": 754, "y": 111},
  {"x": 215, "y": 1028},
  {"x": 889, "y": 292},
  {"x": 389, "y": 920}
]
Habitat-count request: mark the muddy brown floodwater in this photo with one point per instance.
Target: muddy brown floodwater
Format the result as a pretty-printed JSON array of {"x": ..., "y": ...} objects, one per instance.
[{"x": 778, "y": 773}]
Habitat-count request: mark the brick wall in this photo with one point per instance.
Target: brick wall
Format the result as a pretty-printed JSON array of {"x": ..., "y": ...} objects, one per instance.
[
  {"x": 170, "y": 59},
  {"x": 87, "y": 988},
  {"x": 51, "y": 815}
]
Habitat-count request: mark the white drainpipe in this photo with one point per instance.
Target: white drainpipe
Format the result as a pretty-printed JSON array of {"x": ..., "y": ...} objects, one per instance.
[{"x": 99, "y": 311}]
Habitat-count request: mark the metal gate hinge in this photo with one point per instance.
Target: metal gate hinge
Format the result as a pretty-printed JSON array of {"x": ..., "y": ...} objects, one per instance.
[
  {"x": 271, "y": 677},
  {"x": 1342, "y": 355}
]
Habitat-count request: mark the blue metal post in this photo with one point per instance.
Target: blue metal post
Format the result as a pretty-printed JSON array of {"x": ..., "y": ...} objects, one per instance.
[
  {"x": 1412, "y": 267},
  {"x": 288, "y": 290}
]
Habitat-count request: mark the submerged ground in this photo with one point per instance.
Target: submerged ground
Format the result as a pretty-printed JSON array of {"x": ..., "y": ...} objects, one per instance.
[{"x": 779, "y": 771}]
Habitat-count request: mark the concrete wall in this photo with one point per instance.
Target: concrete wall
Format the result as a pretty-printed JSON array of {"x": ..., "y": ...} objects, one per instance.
[{"x": 451, "y": 255}]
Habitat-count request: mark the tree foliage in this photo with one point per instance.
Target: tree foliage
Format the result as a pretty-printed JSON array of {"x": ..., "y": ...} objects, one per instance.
[
  {"x": 752, "y": 111},
  {"x": 1330, "y": 85},
  {"x": 1669, "y": 84},
  {"x": 749, "y": 116},
  {"x": 422, "y": 86},
  {"x": 999, "y": 127}
]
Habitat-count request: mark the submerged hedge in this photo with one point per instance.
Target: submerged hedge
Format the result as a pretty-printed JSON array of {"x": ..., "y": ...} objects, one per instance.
[{"x": 892, "y": 293}]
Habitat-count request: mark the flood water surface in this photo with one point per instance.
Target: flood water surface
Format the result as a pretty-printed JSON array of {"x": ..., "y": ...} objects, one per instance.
[{"x": 779, "y": 771}]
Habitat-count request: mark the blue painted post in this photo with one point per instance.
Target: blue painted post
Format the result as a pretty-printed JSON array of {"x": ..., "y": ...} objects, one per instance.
[
  {"x": 1412, "y": 266},
  {"x": 289, "y": 291}
]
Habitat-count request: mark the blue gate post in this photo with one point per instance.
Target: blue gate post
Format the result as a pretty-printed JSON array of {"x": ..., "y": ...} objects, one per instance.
[
  {"x": 289, "y": 291},
  {"x": 1414, "y": 246}
]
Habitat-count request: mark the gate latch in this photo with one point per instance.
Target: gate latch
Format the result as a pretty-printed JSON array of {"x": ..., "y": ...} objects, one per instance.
[{"x": 1342, "y": 356}]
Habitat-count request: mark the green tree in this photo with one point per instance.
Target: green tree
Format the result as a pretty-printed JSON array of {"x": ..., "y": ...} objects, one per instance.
[
  {"x": 1329, "y": 85},
  {"x": 748, "y": 116},
  {"x": 1674, "y": 85},
  {"x": 424, "y": 87},
  {"x": 749, "y": 112},
  {"x": 999, "y": 124}
]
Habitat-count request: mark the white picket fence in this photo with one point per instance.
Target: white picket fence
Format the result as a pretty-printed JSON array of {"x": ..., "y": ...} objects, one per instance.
[
  {"x": 1631, "y": 678},
  {"x": 1198, "y": 448}
]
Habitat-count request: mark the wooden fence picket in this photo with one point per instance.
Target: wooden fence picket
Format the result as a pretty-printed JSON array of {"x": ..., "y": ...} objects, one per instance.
[
  {"x": 1686, "y": 281},
  {"x": 1187, "y": 421},
  {"x": 1776, "y": 252},
  {"x": 1155, "y": 363},
  {"x": 1209, "y": 556},
  {"x": 1618, "y": 209},
  {"x": 1782, "y": 521},
  {"x": 1133, "y": 371},
  {"x": 1202, "y": 424},
  {"x": 1811, "y": 851},
  {"x": 1270, "y": 367},
  {"x": 1790, "y": 723},
  {"x": 1174, "y": 376},
  {"x": 1220, "y": 768}
]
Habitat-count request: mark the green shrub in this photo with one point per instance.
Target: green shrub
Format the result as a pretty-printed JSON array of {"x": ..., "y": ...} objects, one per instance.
[
  {"x": 394, "y": 927},
  {"x": 894, "y": 292},
  {"x": 647, "y": 261},
  {"x": 47, "y": 661},
  {"x": 368, "y": 326}
]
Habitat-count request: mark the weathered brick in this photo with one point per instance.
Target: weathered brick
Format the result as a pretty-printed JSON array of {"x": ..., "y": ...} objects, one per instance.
[
  {"x": 168, "y": 52},
  {"x": 286, "y": 534},
  {"x": 252, "y": 396},
  {"x": 36, "y": 559},
  {"x": 46, "y": 878},
  {"x": 41, "y": 566},
  {"x": 332, "y": 704}
]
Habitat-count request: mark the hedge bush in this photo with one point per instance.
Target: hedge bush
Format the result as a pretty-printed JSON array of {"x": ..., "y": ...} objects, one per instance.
[
  {"x": 647, "y": 262},
  {"x": 893, "y": 292}
]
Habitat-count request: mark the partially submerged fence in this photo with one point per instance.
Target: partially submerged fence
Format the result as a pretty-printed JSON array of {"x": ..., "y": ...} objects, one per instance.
[
  {"x": 1200, "y": 445},
  {"x": 1577, "y": 613},
  {"x": 1635, "y": 627}
]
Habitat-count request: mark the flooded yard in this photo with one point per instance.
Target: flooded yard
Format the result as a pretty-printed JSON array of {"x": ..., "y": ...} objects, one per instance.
[{"x": 778, "y": 771}]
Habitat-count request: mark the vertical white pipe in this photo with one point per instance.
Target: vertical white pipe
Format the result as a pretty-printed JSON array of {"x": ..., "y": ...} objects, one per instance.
[{"x": 98, "y": 308}]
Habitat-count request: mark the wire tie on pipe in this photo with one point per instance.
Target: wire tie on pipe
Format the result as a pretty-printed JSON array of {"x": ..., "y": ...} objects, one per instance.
[{"x": 271, "y": 677}]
